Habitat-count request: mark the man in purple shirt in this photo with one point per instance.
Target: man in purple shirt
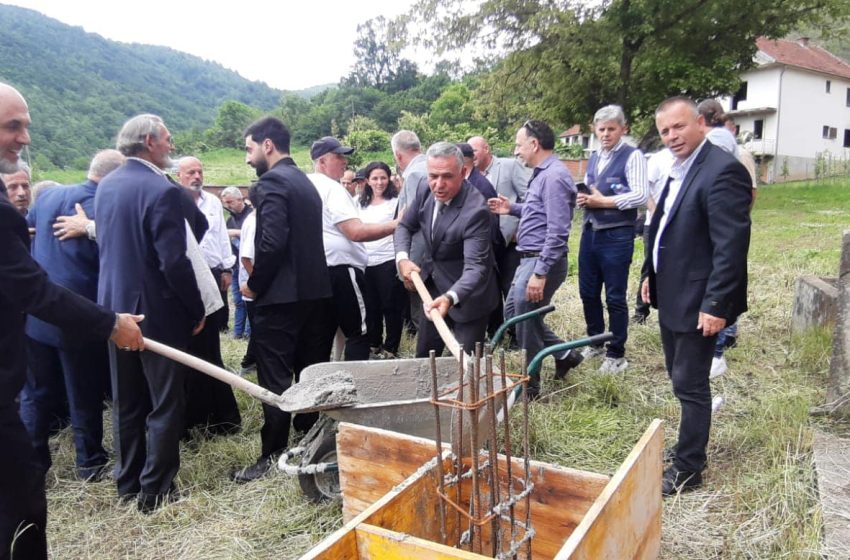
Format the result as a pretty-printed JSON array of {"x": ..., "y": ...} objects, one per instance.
[{"x": 544, "y": 229}]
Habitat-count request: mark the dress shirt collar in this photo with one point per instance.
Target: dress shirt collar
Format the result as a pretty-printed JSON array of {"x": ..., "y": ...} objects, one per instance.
[
  {"x": 679, "y": 170},
  {"x": 148, "y": 164},
  {"x": 603, "y": 153}
]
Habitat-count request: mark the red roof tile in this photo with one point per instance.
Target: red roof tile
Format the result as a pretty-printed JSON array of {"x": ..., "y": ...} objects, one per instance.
[
  {"x": 572, "y": 131},
  {"x": 803, "y": 55}
]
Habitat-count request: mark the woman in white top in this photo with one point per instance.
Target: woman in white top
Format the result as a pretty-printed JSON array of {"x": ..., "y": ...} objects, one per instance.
[{"x": 385, "y": 296}]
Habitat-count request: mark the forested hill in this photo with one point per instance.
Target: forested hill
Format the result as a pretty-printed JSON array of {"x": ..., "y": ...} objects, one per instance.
[{"x": 82, "y": 87}]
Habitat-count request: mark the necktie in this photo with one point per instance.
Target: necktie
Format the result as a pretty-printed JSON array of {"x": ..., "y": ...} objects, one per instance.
[{"x": 439, "y": 207}]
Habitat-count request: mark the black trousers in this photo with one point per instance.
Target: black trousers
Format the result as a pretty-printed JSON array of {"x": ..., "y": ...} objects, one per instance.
[
  {"x": 467, "y": 333},
  {"x": 688, "y": 360},
  {"x": 385, "y": 302},
  {"x": 210, "y": 402},
  {"x": 23, "y": 505},
  {"x": 148, "y": 417},
  {"x": 287, "y": 338},
  {"x": 78, "y": 375},
  {"x": 346, "y": 310}
]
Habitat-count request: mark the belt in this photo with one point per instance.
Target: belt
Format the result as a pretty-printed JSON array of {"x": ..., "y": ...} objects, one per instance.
[{"x": 528, "y": 254}]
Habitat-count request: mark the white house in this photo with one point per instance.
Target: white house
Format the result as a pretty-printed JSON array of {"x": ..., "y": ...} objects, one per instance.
[{"x": 793, "y": 109}]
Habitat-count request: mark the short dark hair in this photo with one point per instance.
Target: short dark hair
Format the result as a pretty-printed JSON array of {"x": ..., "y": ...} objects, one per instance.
[
  {"x": 390, "y": 192},
  {"x": 269, "y": 128},
  {"x": 712, "y": 111},
  {"x": 542, "y": 132},
  {"x": 664, "y": 105}
]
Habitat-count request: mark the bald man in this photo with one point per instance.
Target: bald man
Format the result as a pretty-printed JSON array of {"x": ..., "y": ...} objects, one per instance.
[
  {"x": 26, "y": 289},
  {"x": 212, "y": 406}
]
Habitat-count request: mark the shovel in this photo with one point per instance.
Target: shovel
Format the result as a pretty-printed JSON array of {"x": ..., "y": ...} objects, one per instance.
[{"x": 332, "y": 391}]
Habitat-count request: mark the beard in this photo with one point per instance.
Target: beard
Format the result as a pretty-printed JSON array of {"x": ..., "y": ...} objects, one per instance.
[
  {"x": 7, "y": 167},
  {"x": 261, "y": 167}
]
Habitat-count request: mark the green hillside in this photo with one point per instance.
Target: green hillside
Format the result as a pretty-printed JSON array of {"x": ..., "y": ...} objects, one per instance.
[{"x": 82, "y": 87}]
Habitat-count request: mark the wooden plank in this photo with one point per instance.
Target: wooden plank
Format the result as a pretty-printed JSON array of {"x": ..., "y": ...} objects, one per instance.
[
  {"x": 376, "y": 543},
  {"x": 339, "y": 545},
  {"x": 625, "y": 521},
  {"x": 372, "y": 460}
]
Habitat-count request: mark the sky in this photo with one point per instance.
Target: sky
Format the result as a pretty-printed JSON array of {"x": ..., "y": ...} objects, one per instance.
[{"x": 287, "y": 44}]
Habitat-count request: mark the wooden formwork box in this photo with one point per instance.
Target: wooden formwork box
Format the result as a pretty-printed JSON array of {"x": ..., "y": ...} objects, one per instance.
[{"x": 390, "y": 505}]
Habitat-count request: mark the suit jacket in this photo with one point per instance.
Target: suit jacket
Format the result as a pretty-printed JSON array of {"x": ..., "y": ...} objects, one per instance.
[
  {"x": 141, "y": 235},
  {"x": 289, "y": 254},
  {"x": 25, "y": 288},
  {"x": 703, "y": 248},
  {"x": 510, "y": 178},
  {"x": 73, "y": 264},
  {"x": 459, "y": 255}
]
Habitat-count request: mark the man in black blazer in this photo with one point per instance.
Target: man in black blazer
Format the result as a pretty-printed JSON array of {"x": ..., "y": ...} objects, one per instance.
[
  {"x": 26, "y": 289},
  {"x": 141, "y": 235},
  {"x": 697, "y": 272},
  {"x": 457, "y": 266},
  {"x": 289, "y": 283}
]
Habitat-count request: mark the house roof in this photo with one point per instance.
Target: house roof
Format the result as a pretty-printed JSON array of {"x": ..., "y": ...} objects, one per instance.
[
  {"x": 803, "y": 54},
  {"x": 572, "y": 131}
]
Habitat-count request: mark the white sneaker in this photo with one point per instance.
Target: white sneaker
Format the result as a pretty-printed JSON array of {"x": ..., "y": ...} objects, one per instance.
[
  {"x": 613, "y": 365},
  {"x": 589, "y": 352},
  {"x": 718, "y": 367}
]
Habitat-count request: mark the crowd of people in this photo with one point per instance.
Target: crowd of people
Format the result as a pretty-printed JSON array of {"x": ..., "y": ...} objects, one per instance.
[{"x": 319, "y": 264}]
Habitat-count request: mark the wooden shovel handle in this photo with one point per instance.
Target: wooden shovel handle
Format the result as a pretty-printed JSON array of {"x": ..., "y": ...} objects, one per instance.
[
  {"x": 212, "y": 370},
  {"x": 439, "y": 322}
]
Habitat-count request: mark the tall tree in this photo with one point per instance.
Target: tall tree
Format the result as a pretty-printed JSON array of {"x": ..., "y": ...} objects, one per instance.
[
  {"x": 565, "y": 58},
  {"x": 377, "y": 50}
]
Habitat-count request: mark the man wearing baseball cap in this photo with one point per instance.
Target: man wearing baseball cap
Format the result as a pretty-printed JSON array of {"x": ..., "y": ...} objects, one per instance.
[{"x": 343, "y": 234}]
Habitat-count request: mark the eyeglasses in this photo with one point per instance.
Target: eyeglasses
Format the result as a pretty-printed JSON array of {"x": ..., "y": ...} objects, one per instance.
[{"x": 532, "y": 129}]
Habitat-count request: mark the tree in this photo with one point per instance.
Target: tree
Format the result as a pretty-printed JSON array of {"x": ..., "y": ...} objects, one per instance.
[
  {"x": 566, "y": 58},
  {"x": 233, "y": 117},
  {"x": 379, "y": 63}
]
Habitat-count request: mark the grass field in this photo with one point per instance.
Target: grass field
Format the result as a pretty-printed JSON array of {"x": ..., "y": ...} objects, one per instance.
[{"x": 759, "y": 497}]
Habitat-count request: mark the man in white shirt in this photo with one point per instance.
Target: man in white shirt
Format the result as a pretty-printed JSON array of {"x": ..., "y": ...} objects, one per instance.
[
  {"x": 343, "y": 234},
  {"x": 212, "y": 404}
]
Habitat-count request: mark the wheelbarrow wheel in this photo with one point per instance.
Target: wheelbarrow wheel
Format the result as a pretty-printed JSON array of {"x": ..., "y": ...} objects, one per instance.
[{"x": 322, "y": 486}]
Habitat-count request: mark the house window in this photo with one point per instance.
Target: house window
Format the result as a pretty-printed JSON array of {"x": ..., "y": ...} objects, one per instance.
[
  {"x": 848, "y": 97},
  {"x": 828, "y": 86},
  {"x": 846, "y": 138},
  {"x": 829, "y": 132},
  {"x": 758, "y": 129},
  {"x": 741, "y": 95}
]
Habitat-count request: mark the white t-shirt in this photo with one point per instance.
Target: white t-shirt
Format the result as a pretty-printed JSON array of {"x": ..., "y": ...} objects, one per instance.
[
  {"x": 722, "y": 138},
  {"x": 382, "y": 250},
  {"x": 338, "y": 206},
  {"x": 657, "y": 170},
  {"x": 246, "y": 247}
]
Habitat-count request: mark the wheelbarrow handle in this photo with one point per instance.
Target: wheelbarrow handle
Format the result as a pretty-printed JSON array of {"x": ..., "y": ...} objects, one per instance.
[
  {"x": 439, "y": 322},
  {"x": 500, "y": 333},
  {"x": 537, "y": 361}
]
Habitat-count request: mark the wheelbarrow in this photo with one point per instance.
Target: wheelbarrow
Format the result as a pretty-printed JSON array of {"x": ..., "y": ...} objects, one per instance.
[{"x": 393, "y": 395}]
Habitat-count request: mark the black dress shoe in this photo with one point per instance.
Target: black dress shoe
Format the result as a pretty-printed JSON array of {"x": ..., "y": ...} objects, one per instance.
[
  {"x": 568, "y": 362},
  {"x": 149, "y": 503},
  {"x": 674, "y": 480},
  {"x": 639, "y": 319},
  {"x": 258, "y": 470}
]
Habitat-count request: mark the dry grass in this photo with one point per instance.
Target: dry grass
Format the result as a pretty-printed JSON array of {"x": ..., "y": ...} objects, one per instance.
[{"x": 759, "y": 499}]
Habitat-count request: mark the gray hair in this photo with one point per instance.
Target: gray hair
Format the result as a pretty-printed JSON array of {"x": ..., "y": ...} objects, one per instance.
[
  {"x": 131, "y": 139},
  {"x": 446, "y": 150},
  {"x": 405, "y": 141},
  {"x": 104, "y": 162},
  {"x": 610, "y": 113},
  {"x": 232, "y": 191}
]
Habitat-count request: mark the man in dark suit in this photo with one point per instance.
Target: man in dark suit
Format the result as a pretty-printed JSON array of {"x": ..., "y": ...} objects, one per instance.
[
  {"x": 26, "y": 289},
  {"x": 697, "y": 272},
  {"x": 61, "y": 366},
  {"x": 289, "y": 282},
  {"x": 141, "y": 234},
  {"x": 457, "y": 266}
]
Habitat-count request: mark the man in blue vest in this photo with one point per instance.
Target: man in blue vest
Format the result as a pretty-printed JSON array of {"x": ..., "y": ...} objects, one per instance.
[{"x": 616, "y": 182}]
